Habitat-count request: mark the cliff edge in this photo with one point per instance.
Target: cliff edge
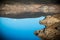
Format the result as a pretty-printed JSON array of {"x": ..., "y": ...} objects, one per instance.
[{"x": 52, "y": 29}]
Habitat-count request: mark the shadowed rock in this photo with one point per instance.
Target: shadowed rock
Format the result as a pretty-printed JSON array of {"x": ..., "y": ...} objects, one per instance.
[
  {"x": 28, "y": 8},
  {"x": 28, "y": 11},
  {"x": 31, "y": 1}
]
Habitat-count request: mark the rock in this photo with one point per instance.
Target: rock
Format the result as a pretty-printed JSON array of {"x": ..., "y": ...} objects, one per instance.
[
  {"x": 18, "y": 10},
  {"x": 50, "y": 20},
  {"x": 52, "y": 30}
]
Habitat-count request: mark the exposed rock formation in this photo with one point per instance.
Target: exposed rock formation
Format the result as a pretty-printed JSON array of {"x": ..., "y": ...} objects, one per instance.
[
  {"x": 28, "y": 8},
  {"x": 31, "y": 1},
  {"x": 18, "y": 10},
  {"x": 52, "y": 30}
]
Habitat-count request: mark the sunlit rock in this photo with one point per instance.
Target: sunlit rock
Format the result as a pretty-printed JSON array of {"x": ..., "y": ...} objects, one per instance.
[
  {"x": 52, "y": 30},
  {"x": 18, "y": 10}
]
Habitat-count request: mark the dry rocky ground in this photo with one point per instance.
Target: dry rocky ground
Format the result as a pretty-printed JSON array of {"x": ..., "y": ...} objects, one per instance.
[
  {"x": 18, "y": 10},
  {"x": 52, "y": 30}
]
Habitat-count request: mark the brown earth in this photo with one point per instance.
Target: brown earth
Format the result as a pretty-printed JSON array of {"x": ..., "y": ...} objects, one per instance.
[
  {"x": 52, "y": 30},
  {"x": 18, "y": 10}
]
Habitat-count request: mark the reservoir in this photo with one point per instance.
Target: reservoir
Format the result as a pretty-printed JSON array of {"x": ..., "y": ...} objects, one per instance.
[{"x": 20, "y": 29}]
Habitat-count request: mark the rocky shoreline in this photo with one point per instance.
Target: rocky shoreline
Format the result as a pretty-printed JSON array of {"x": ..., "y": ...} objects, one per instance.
[{"x": 52, "y": 30}]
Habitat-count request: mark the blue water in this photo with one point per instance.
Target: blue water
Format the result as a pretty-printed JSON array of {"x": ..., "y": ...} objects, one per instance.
[{"x": 20, "y": 29}]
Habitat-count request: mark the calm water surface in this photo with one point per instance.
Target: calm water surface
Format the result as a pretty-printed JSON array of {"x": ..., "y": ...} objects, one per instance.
[{"x": 20, "y": 29}]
